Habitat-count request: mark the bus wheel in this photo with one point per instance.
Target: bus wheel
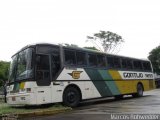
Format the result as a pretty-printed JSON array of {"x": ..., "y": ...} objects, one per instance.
[
  {"x": 139, "y": 91},
  {"x": 71, "y": 97}
]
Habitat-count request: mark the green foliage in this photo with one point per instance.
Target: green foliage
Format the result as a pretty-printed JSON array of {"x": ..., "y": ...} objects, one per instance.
[
  {"x": 91, "y": 48},
  {"x": 70, "y": 45},
  {"x": 108, "y": 40},
  {"x": 154, "y": 57},
  {"x": 4, "y": 71},
  {"x": 6, "y": 109}
]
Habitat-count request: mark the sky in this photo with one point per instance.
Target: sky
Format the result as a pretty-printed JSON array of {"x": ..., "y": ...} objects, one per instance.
[{"x": 25, "y": 22}]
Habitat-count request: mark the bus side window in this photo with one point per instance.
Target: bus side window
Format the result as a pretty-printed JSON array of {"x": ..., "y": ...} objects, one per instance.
[
  {"x": 129, "y": 64},
  {"x": 110, "y": 61},
  {"x": 124, "y": 63},
  {"x": 117, "y": 62},
  {"x": 55, "y": 64},
  {"x": 92, "y": 59},
  {"x": 146, "y": 66},
  {"x": 137, "y": 65},
  {"x": 101, "y": 61},
  {"x": 70, "y": 58},
  {"x": 81, "y": 58}
]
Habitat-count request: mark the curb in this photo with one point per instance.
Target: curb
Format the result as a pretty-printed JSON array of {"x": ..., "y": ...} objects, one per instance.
[{"x": 34, "y": 114}]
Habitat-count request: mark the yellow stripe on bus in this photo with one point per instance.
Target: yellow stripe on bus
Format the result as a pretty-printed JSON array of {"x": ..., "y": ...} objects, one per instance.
[
  {"x": 22, "y": 85},
  {"x": 124, "y": 86}
]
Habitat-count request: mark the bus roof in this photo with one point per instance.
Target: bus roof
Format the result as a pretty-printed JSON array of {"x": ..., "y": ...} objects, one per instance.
[{"x": 77, "y": 48}]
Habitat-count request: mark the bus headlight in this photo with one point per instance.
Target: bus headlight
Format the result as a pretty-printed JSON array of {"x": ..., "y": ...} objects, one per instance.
[{"x": 27, "y": 90}]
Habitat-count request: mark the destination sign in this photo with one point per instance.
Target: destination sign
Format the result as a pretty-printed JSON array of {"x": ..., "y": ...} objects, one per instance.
[{"x": 136, "y": 75}]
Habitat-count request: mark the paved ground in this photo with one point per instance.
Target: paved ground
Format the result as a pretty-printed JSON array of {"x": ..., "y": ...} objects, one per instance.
[{"x": 102, "y": 110}]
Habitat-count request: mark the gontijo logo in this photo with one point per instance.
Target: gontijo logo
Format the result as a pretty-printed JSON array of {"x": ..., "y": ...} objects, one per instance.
[
  {"x": 75, "y": 74},
  {"x": 136, "y": 75}
]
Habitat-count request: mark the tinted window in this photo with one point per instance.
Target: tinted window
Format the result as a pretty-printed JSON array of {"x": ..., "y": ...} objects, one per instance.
[
  {"x": 92, "y": 59},
  {"x": 124, "y": 63},
  {"x": 81, "y": 58},
  {"x": 147, "y": 66},
  {"x": 117, "y": 62},
  {"x": 42, "y": 62},
  {"x": 101, "y": 61},
  {"x": 113, "y": 62},
  {"x": 137, "y": 65},
  {"x": 110, "y": 61},
  {"x": 55, "y": 64},
  {"x": 69, "y": 57},
  {"x": 43, "y": 70},
  {"x": 45, "y": 49},
  {"x": 127, "y": 63}
]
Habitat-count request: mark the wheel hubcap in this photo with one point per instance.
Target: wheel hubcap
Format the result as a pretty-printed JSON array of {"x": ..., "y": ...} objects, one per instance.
[{"x": 71, "y": 97}]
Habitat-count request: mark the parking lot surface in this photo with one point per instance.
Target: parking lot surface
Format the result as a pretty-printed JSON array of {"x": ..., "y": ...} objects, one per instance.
[{"x": 102, "y": 109}]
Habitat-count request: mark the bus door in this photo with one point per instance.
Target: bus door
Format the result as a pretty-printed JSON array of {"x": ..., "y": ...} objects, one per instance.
[
  {"x": 57, "y": 89},
  {"x": 43, "y": 78}
]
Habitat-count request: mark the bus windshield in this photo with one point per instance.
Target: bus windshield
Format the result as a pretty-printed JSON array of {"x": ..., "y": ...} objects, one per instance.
[{"x": 21, "y": 66}]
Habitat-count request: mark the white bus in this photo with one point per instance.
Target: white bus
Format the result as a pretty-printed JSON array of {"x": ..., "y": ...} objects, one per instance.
[{"x": 48, "y": 73}]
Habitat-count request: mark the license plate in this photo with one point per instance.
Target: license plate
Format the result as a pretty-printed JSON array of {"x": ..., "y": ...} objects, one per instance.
[{"x": 13, "y": 98}]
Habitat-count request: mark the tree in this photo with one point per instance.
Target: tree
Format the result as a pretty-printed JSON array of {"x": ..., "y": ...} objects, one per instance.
[
  {"x": 108, "y": 40},
  {"x": 69, "y": 45},
  {"x": 91, "y": 48},
  {"x": 154, "y": 57},
  {"x": 4, "y": 68}
]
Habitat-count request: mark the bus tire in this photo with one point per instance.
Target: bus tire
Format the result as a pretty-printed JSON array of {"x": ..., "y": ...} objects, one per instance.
[
  {"x": 71, "y": 96},
  {"x": 139, "y": 91}
]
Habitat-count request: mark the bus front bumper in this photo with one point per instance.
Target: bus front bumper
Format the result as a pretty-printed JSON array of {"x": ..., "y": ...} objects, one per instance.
[{"x": 21, "y": 99}]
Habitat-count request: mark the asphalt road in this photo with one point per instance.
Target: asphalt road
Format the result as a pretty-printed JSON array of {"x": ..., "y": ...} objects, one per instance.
[{"x": 104, "y": 109}]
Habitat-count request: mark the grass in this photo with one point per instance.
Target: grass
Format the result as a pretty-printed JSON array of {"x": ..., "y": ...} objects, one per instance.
[{"x": 6, "y": 109}]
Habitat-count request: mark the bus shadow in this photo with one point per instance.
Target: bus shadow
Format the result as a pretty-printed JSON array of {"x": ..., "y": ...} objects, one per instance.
[
  {"x": 44, "y": 106},
  {"x": 89, "y": 103}
]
